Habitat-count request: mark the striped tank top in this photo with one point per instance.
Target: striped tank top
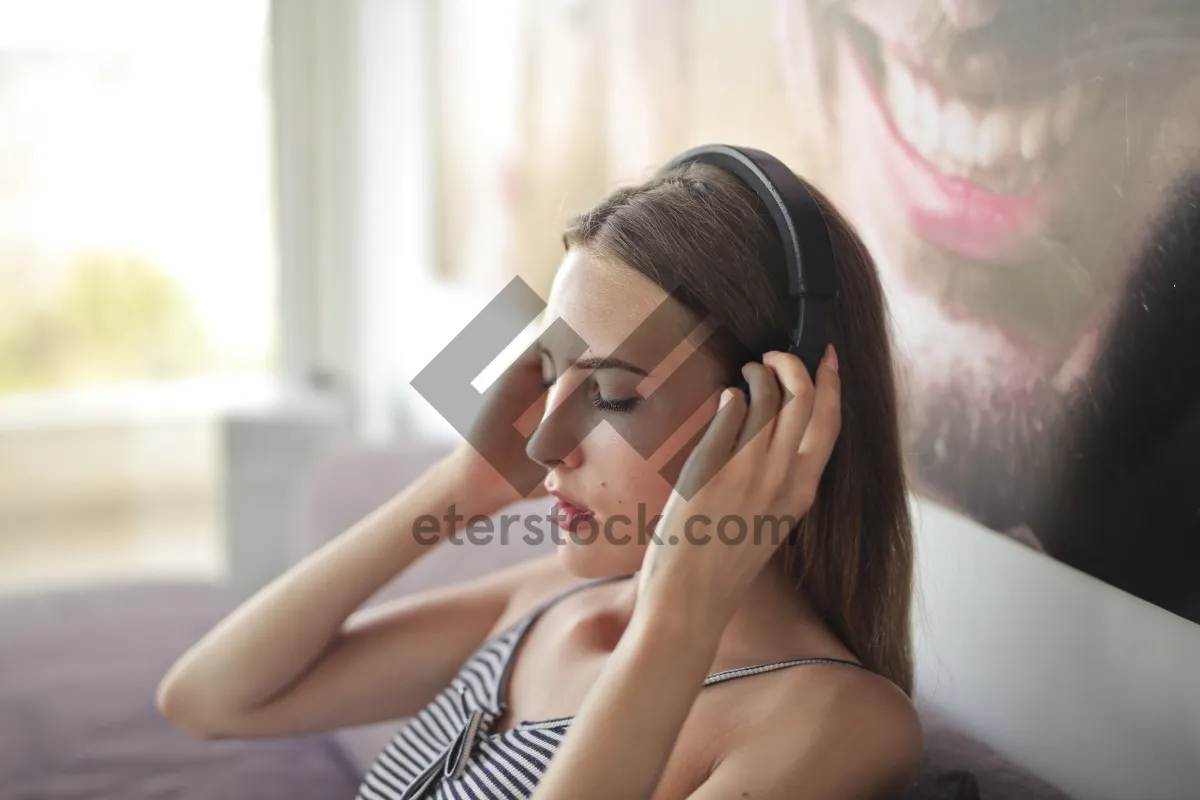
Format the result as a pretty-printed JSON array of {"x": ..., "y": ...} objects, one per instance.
[{"x": 447, "y": 752}]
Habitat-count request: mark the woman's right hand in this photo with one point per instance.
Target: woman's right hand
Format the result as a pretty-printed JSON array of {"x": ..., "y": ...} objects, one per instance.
[{"x": 492, "y": 460}]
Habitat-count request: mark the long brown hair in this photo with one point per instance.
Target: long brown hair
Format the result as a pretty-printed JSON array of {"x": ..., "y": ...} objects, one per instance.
[{"x": 702, "y": 234}]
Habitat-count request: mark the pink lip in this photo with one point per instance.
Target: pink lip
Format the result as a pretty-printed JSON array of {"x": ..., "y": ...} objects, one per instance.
[
  {"x": 575, "y": 515},
  {"x": 954, "y": 213}
]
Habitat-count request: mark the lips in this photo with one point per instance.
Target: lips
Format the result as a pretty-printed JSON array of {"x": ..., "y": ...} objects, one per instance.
[
  {"x": 974, "y": 177},
  {"x": 574, "y": 514}
]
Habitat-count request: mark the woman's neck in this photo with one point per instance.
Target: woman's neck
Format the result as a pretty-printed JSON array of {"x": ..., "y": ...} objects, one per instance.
[{"x": 773, "y": 622}]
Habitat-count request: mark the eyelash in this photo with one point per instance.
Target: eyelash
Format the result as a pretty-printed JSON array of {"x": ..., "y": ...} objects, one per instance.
[{"x": 615, "y": 406}]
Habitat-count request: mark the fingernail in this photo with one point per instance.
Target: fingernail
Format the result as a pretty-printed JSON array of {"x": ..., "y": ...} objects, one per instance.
[
  {"x": 831, "y": 357},
  {"x": 771, "y": 353},
  {"x": 725, "y": 395}
]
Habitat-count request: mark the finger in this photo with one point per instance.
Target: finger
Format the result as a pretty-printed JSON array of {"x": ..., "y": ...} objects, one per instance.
[
  {"x": 821, "y": 434},
  {"x": 722, "y": 433},
  {"x": 797, "y": 406},
  {"x": 764, "y": 407},
  {"x": 715, "y": 447}
]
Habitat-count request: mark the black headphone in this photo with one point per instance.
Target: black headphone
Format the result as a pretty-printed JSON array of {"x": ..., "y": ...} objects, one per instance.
[{"x": 806, "y": 241}]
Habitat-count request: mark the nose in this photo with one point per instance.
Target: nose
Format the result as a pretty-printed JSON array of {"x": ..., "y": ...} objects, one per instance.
[
  {"x": 964, "y": 14},
  {"x": 556, "y": 441}
]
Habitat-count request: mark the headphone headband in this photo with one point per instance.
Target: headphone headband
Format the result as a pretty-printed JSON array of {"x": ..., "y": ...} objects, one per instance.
[{"x": 807, "y": 246}]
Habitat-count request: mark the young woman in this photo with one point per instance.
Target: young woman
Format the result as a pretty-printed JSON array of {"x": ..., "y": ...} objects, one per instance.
[{"x": 703, "y": 662}]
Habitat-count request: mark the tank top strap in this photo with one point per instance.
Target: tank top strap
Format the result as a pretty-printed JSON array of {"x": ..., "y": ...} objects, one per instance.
[
  {"x": 757, "y": 669},
  {"x": 545, "y": 604},
  {"x": 519, "y": 628}
]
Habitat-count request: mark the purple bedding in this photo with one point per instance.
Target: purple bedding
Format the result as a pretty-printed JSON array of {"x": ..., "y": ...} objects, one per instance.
[{"x": 78, "y": 670}]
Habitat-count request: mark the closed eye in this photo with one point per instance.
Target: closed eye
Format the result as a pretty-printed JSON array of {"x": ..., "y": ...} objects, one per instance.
[
  {"x": 616, "y": 406},
  {"x": 603, "y": 404}
]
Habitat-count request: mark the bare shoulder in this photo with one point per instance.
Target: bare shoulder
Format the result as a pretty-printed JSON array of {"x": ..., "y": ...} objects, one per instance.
[
  {"x": 866, "y": 711},
  {"x": 832, "y": 731}
]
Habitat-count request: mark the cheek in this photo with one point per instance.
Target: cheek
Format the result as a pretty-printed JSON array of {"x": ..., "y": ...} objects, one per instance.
[
  {"x": 624, "y": 481},
  {"x": 668, "y": 461},
  {"x": 632, "y": 483}
]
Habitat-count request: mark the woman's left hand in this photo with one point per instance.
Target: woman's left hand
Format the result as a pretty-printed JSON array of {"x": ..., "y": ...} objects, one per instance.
[{"x": 753, "y": 476}]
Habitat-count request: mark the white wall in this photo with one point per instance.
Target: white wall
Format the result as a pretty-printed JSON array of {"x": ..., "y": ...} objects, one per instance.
[{"x": 1085, "y": 685}]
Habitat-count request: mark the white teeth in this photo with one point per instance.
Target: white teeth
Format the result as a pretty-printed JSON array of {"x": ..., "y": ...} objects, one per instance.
[
  {"x": 960, "y": 139},
  {"x": 958, "y": 132},
  {"x": 929, "y": 131},
  {"x": 996, "y": 138},
  {"x": 902, "y": 97},
  {"x": 1034, "y": 133},
  {"x": 950, "y": 165},
  {"x": 1067, "y": 112}
]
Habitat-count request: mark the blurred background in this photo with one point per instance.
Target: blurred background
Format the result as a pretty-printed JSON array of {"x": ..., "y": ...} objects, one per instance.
[
  {"x": 233, "y": 231},
  {"x": 139, "y": 278}
]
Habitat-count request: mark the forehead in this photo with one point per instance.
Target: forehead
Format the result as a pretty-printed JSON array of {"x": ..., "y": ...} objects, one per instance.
[{"x": 604, "y": 302}]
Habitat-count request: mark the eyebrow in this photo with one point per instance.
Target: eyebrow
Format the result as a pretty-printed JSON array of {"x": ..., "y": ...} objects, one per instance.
[{"x": 596, "y": 362}]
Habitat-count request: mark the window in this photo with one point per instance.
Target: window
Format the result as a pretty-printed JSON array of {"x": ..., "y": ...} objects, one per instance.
[{"x": 139, "y": 274}]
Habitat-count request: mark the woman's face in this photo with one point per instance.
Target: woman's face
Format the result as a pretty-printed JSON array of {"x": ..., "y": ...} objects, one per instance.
[{"x": 615, "y": 432}]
